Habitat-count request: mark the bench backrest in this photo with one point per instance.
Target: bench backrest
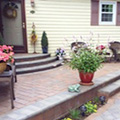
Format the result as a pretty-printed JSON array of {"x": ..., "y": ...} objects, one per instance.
[{"x": 115, "y": 45}]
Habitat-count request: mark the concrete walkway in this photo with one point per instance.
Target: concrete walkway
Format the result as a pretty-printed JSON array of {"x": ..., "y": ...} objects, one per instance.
[
  {"x": 40, "y": 85},
  {"x": 110, "y": 111}
]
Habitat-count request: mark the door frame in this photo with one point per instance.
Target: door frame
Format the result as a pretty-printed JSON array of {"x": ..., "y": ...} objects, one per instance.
[
  {"x": 1, "y": 26},
  {"x": 18, "y": 48}
]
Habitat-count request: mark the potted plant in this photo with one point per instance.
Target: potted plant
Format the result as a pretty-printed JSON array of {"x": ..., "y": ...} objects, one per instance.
[
  {"x": 6, "y": 55},
  {"x": 60, "y": 53},
  {"x": 86, "y": 61},
  {"x": 44, "y": 42}
]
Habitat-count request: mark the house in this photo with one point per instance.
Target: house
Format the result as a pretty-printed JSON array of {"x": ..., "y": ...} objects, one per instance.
[{"x": 60, "y": 19}]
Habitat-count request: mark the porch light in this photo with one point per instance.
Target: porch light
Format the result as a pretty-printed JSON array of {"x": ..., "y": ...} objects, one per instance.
[{"x": 32, "y": 3}]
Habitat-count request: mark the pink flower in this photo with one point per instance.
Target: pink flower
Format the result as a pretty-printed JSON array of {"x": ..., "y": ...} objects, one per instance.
[
  {"x": 11, "y": 53},
  {"x": 4, "y": 47},
  {"x": 101, "y": 47},
  {"x": 10, "y": 48},
  {"x": 12, "y": 60},
  {"x": 6, "y": 53}
]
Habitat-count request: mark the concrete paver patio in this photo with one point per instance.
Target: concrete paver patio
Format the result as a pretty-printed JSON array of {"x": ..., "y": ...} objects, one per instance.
[{"x": 40, "y": 85}]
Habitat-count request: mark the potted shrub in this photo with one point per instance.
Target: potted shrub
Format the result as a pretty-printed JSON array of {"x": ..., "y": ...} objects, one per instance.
[
  {"x": 86, "y": 61},
  {"x": 44, "y": 42}
]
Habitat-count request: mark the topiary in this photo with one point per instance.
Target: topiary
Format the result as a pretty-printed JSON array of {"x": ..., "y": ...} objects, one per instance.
[{"x": 44, "y": 40}]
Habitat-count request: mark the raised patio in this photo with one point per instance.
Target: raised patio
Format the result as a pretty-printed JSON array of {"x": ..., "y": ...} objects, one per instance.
[{"x": 33, "y": 87}]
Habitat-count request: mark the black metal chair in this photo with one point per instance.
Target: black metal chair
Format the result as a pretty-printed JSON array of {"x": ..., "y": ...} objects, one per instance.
[
  {"x": 14, "y": 71},
  {"x": 7, "y": 76},
  {"x": 115, "y": 48}
]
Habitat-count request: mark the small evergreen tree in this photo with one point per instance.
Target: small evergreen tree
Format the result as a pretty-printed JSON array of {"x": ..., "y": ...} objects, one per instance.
[{"x": 44, "y": 40}]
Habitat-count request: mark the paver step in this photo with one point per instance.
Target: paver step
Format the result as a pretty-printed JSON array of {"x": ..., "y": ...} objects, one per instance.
[
  {"x": 110, "y": 89},
  {"x": 29, "y": 57},
  {"x": 35, "y": 62},
  {"x": 39, "y": 68}
]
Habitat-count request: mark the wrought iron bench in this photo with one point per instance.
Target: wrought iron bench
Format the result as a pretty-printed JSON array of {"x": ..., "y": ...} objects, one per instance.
[{"x": 115, "y": 48}]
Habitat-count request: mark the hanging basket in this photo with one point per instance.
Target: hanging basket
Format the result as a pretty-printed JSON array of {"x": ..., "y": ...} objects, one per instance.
[{"x": 3, "y": 66}]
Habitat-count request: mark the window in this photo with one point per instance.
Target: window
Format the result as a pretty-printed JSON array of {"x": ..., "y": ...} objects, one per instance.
[{"x": 107, "y": 14}]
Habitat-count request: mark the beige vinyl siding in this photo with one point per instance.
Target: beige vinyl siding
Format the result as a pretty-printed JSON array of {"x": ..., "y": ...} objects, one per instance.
[{"x": 64, "y": 19}]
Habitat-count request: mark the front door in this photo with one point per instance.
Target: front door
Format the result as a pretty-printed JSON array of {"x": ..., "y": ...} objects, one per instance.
[{"x": 13, "y": 29}]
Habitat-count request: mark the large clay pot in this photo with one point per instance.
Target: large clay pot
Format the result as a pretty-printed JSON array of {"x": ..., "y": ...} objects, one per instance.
[
  {"x": 3, "y": 66},
  {"x": 86, "y": 78}
]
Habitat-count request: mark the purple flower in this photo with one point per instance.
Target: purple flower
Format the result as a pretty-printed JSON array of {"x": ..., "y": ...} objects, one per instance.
[{"x": 60, "y": 51}]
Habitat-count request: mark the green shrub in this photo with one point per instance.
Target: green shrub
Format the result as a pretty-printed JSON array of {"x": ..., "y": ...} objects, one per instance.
[
  {"x": 91, "y": 108},
  {"x": 86, "y": 60},
  {"x": 75, "y": 114},
  {"x": 44, "y": 40},
  {"x": 96, "y": 100}
]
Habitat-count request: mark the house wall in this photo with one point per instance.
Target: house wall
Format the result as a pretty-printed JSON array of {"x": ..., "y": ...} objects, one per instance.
[{"x": 64, "y": 19}]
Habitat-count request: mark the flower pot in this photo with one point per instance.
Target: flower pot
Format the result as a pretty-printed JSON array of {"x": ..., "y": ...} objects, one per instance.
[
  {"x": 3, "y": 66},
  {"x": 45, "y": 49},
  {"x": 86, "y": 78}
]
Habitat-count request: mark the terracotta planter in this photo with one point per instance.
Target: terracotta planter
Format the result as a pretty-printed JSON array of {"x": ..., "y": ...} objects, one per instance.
[
  {"x": 3, "y": 66},
  {"x": 86, "y": 78}
]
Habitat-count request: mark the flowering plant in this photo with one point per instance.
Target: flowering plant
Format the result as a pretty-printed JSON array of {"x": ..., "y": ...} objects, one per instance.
[
  {"x": 60, "y": 52},
  {"x": 6, "y": 54},
  {"x": 100, "y": 47}
]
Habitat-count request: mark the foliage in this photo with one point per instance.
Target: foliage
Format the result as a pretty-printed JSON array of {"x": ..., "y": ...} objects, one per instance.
[
  {"x": 75, "y": 114},
  {"x": 86, "y": 60},
  {"x": 96, "y": 100},
  {"x": 87, "y": 108},
  {"x": 6, "y": 54},
  {"x": 44, "y": 40},
  {"x": 91, "y": 108}
]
